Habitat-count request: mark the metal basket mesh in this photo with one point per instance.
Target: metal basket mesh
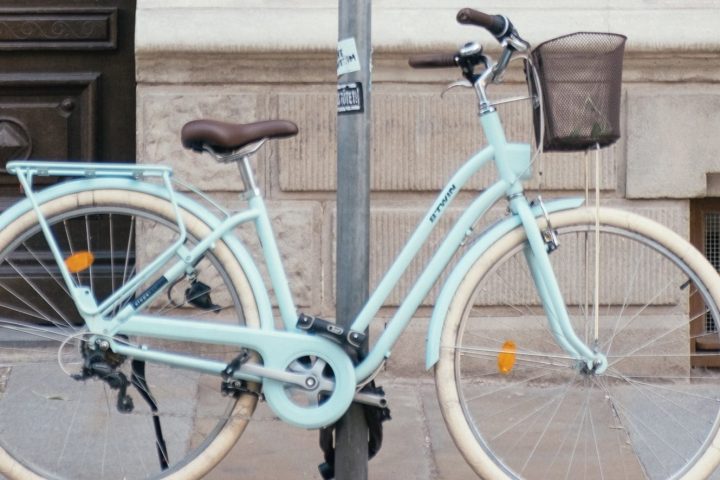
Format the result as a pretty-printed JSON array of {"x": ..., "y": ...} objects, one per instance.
[{"x": 580, "y": 76}]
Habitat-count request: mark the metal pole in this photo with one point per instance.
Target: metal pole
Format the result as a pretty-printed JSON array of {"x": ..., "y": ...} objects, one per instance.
[{"x": 353, "y": 209}]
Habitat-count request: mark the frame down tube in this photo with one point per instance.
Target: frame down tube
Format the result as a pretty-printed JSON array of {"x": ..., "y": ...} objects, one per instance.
[{"x": 437, "y": 264}]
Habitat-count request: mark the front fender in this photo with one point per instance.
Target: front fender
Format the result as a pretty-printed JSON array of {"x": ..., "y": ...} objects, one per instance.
[{"x": 485, "y": 241}]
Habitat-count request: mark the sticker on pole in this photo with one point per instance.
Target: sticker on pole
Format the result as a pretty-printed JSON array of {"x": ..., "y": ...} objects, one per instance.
[
  {"x": 347, "y": 57},
  {"x": 349, "y": 98}
]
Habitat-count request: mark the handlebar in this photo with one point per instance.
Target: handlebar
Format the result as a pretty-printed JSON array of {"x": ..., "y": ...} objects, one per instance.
[
  {"x": 498, "y": 25},
  {"x": 433, "y": 60}
]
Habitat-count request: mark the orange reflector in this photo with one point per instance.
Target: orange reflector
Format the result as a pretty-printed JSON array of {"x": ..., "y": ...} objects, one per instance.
[
  {"x": 506, "y": 358},
  {"x": 79, "y": 261}
]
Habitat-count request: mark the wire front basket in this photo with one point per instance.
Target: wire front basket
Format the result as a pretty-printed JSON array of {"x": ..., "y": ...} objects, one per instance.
[{"x": 580, "y": 75}]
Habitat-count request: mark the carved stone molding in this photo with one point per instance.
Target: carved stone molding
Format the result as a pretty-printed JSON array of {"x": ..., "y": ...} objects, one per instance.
[{"x": 58, "y": 29}]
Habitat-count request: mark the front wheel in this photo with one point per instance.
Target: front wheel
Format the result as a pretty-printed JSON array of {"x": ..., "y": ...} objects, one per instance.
[
  {"x": 518, "y": 406},
  {"x": 56, "y": 424}
]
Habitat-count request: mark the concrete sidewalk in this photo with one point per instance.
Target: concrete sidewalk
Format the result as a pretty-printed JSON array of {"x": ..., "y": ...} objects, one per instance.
[{"x": 416, "y": 444}]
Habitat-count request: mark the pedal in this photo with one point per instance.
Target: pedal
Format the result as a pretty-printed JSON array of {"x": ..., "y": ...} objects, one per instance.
[
  {"x": 235, "y": 388},
  {"x": 331, "y": 330},
  {"x": 371, "y": 399}
]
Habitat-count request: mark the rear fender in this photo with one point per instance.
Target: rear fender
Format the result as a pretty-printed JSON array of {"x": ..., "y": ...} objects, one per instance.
[{"x": 238, "y": 249}]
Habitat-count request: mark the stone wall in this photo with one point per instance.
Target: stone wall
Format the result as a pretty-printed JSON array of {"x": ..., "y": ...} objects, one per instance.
[{"x": 275, "y": 59}]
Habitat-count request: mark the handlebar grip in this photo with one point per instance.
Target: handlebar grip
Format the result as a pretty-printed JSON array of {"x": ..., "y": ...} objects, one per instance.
[
  {"x": 432, "y": 60},
  {"x": 495, "y": 24}
]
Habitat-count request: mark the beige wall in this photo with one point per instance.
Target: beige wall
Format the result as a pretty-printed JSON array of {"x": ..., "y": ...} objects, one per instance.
[{"x": 275, "y": 59}]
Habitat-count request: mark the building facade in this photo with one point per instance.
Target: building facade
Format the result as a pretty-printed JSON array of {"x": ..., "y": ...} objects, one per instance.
[{"x": 273, "y": 59}]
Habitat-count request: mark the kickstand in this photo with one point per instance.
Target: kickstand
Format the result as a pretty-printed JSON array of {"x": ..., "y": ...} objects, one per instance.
[{"x": 138, "y": 380}]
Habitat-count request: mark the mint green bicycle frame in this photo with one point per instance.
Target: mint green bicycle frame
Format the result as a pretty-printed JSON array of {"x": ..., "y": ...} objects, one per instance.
[{"x": 279, "y": 348}]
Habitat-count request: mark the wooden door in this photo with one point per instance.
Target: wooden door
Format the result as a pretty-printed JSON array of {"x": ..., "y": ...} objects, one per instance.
[{"x": 67, "y": 93}]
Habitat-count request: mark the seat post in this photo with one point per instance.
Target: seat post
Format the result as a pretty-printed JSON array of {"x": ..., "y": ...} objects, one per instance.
[{"x": 251, "y": 188}]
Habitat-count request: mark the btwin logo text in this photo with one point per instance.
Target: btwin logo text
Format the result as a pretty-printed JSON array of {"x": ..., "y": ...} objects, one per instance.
[{"x": 446, "y": 198}]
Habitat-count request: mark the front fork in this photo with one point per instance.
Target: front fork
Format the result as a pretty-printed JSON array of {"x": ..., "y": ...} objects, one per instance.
[{"x": 536, "y": 253}]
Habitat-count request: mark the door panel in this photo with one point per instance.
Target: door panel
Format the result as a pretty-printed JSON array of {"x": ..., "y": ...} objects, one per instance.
[
  {"x": 58, "y": 28},
  {"x": 67, "y": 82},
  {"x": 48, "y": 116}
]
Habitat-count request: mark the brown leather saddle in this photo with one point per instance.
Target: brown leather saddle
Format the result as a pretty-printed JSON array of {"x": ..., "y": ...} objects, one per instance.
[{"x": 225, "y": 137}]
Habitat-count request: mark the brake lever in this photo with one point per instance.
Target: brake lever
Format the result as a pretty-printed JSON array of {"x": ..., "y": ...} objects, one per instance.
[
  {"x": 499, "y": 68},
  {"x": 511, "y": 44},
  {"x": 459, "y": 83},
  {"x": 518, "y": 43}
]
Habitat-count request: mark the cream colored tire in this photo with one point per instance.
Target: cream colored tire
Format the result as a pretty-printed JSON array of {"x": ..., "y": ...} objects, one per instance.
[
  {"x": 546, "y": 418},
  {"x": 224, "y": 429}
]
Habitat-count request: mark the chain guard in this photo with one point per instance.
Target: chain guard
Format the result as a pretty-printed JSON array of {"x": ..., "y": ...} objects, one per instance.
[{"x": 321, "y": 405}]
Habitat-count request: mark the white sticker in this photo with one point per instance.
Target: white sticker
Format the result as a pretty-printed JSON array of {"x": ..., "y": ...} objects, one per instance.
[{"x": 347, "y": 57}]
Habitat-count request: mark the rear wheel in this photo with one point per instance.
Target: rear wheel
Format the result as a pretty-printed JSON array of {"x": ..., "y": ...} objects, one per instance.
[
  {"x": 56, "y": 426},
  {"x": 518, "y": 406}
]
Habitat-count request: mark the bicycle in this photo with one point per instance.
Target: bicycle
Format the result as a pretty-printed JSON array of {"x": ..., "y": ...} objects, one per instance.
[{"x": 587, "y": 372}]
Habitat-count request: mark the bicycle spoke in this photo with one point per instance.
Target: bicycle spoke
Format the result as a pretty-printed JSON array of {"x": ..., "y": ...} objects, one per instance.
[
  {"x": 637, "y": 315},
  {"x": 58, "y": 281},
  {"x": 55, "y": 335},
  {"x": 624, "y": 305},
  {"x": 39, "y": 292},
  {"x": 584, "y": 410},
  {"x": 595, "y": 442},
  {"x": 529, "y": 415},
  {"x": 547, "y": 424},
  {"x": 88, "y": 248},
  {"x": 651, "y": 341},
  {"x": 128, "y": 250},
  {"x": 680, "y": 424},
  {"x": 522, "y": 382},
  {"x": 648, "y": 429},
  {"x": 522, "y": 265},
  {"x": 519, "y": 360},
  {"x": 663, "y": 387}
]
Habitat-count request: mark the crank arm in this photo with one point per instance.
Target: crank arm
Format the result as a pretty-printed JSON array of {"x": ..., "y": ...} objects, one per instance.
[{"x": 304, "y": 381}]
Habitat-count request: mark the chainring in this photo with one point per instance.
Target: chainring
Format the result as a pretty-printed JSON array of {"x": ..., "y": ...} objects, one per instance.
[{"x": 322, "y": 380}]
